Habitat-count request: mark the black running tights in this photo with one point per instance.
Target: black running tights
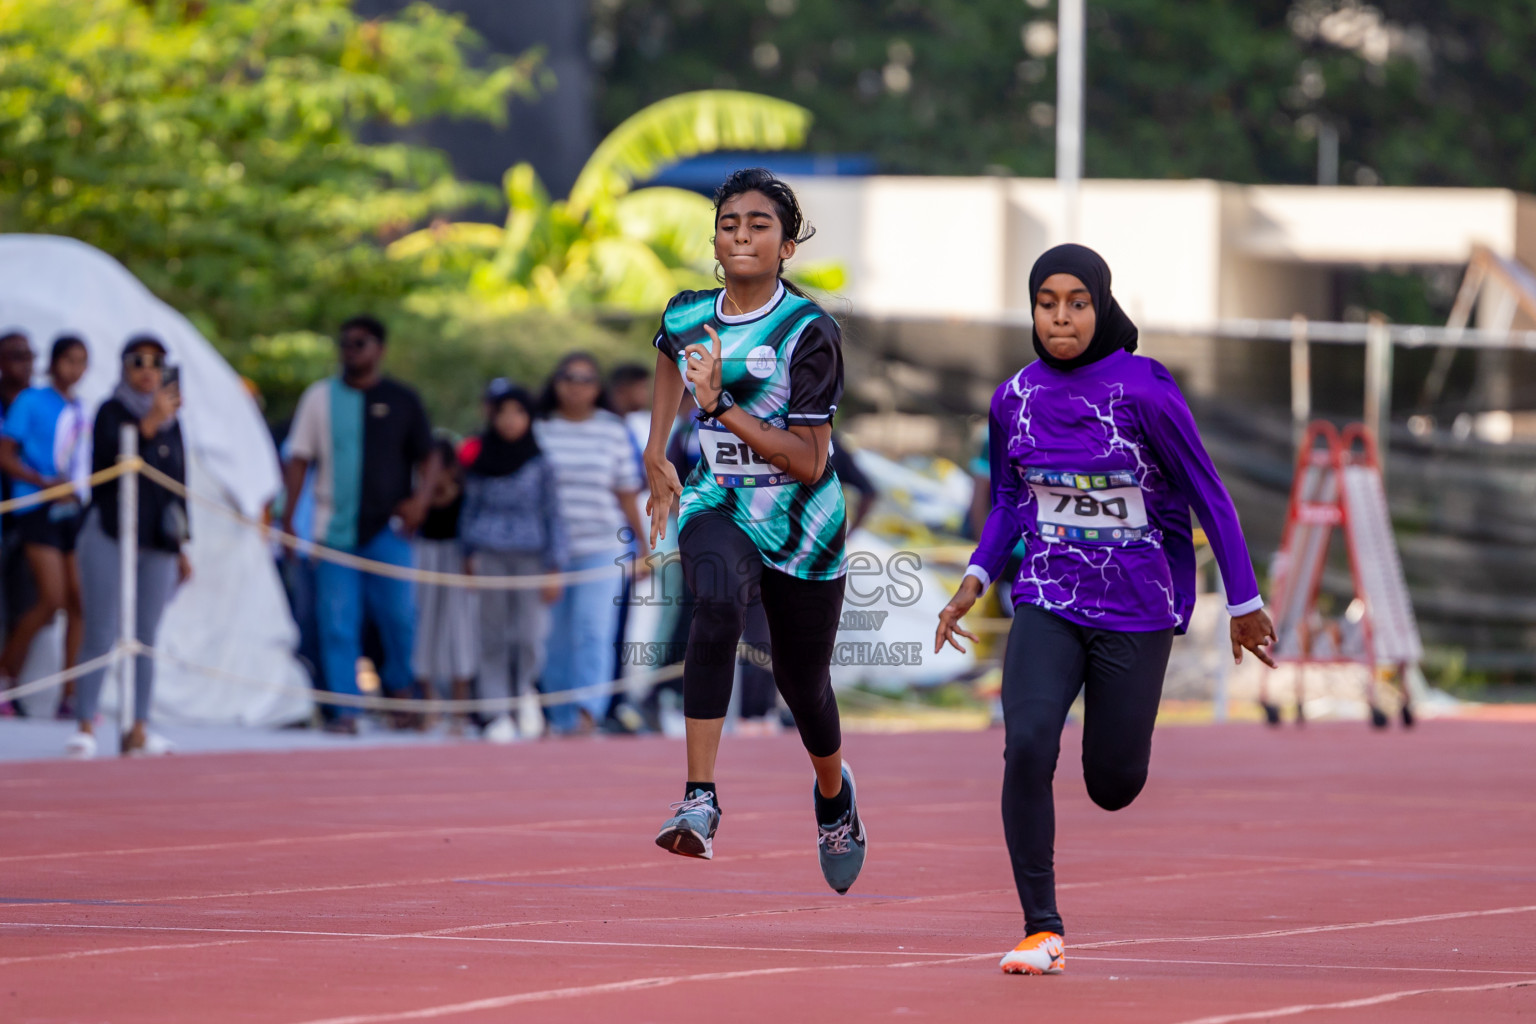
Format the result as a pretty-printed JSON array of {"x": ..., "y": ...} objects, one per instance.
[
  {"x": 726, "y": 573},
  {"x": 1047, "y": 662}
]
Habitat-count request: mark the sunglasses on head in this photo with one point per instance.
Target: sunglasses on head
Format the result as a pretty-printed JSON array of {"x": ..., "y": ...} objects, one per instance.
[{"x": 141, "y": 361}]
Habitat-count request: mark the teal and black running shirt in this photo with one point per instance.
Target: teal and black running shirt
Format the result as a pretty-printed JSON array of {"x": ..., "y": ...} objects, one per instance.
[{"x": 782, "y": 363}]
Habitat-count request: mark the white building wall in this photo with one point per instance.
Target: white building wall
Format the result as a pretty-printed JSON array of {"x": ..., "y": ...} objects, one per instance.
[{"x": 1185, "y": 254}]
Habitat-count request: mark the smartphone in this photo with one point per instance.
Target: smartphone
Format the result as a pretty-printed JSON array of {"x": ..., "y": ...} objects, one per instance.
[{"x": 170, "y": 377}]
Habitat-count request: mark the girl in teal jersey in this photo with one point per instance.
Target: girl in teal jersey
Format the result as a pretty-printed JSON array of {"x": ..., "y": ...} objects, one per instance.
[{"x": 761, "y": 516}]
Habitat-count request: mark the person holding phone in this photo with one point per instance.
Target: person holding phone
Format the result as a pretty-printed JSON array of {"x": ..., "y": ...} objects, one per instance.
[{"x": 150, "y": 399}]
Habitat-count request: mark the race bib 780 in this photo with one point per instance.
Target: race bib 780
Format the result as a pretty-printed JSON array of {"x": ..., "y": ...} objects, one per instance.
[{"x": 1088, "y": 508}]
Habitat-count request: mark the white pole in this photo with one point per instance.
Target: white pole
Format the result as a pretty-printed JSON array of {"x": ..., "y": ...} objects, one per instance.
[
  {"x": 1301, "y": 382},
  {"x": 128, "y": 574},
  {"x": 1069, "y": 111},
  {"x": 1378, "y": 384}
]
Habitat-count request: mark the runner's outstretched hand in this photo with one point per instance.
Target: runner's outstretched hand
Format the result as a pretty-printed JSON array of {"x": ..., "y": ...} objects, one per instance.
[
  {"x": 949, "y": 618},
  {"x": 1253, "y": 632},
  {"x": 661, "y": 478}
]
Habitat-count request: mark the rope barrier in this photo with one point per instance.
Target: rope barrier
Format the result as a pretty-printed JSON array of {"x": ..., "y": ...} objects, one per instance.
[
  {"x": 370, "y": 703},
  {"x": 363, "y": 702},
  {"x": 400, "y": 572},
  {"x": 59, "y": 678},
  {"x": 947, "y": 554},
  {"x": 67, "y": 489}
]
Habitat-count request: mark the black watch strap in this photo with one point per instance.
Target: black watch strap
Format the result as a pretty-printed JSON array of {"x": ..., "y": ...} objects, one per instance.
[{"x": 722, "y": 403}]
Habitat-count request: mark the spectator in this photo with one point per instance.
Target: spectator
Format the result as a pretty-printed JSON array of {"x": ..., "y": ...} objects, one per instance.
[
  {"x": 853, "y": 479},
  {"x": 447, "y": 643},
  {"x": 16, "y": 360},
  {"x": 42, "y": 445},
  {"x": 16, "y": 363},
  {"x": 143, "y": 398},
  {"x": 366, "y": 435},
  {"x": 469, "y": 448},
  {"x": 512, "y": 526},
  {"x": 629, "y": 388},
  {"x": 597, "y": 480}
]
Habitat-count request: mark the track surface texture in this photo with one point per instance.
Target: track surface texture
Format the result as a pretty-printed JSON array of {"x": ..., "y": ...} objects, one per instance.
[{"x": 1327, "y": 874}]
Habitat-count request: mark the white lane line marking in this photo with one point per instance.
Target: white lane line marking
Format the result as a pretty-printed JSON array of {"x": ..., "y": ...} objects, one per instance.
[
  {"x": 1313, "y": 930},
  {"x": 1354, "y": 1004},
  {"x": 75, "y": 955},
  {"x": 397, "y": 883},
  {"x": 1299, "y": 967},
  {"x": 608, "y": 988},
  {"x": 535, "y": 827},
  {"x": 439, "y": 937}
]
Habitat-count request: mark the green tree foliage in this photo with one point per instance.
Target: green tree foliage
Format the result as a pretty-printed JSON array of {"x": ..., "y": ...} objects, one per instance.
[
  {"x": 605, "y": 247},
  {"x": 1420, "y": 92},
  {"x": 220, "y": 148}
]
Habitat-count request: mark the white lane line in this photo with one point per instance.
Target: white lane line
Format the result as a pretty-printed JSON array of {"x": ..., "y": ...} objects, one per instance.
[
  {"x": 1354, "y": 1004},
  {"x": 439, "y": 937},
  {"x": 397, "y": 883},
  {"x": 77, "y": 954},
  {"x": 1299, "y": 967},
  {"x": 535, "y": 827},
  {"x": 609, "y": 988},
  {"x": 1279, "y": 933}
]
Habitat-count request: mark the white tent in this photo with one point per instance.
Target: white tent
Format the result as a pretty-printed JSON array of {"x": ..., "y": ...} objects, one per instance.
[{"x": 233, "y": 614}]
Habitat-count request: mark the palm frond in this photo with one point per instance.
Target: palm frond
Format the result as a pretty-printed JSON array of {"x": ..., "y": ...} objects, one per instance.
[
  {"x": 468, "y": 235},
  {"x": 682, "y": 126},
  {"x": 674, "y": 222},
  {"x": 821, "y": 275}
]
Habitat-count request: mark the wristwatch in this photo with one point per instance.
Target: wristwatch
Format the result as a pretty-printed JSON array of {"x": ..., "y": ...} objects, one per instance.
[{"x": 724, "y": 402}]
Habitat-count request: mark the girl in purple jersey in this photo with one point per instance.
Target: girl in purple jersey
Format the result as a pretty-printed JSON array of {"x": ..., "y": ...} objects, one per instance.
[{"x": 1095, "y": 463}]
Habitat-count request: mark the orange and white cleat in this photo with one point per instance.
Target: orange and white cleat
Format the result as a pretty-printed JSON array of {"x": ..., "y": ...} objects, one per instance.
[{"x": 1040, "y": 953}]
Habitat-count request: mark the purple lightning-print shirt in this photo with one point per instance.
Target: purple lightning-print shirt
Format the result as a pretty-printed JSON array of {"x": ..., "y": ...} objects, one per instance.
[{"x": 1097, "y": 469}]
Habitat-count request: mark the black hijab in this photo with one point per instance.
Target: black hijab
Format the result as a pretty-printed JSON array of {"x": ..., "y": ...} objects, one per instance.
[
  {"x": 498, "y": 456},
  {"x": 1114, "y": 330}
]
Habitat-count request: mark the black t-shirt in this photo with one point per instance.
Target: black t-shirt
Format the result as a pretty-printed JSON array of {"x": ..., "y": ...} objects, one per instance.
[
  {"x": 397, "y": 437},
  {"x": 442, "y": 522}
]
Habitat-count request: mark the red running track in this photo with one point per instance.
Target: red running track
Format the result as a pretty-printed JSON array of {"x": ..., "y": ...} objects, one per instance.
[{"x": 1329, "y": 874}]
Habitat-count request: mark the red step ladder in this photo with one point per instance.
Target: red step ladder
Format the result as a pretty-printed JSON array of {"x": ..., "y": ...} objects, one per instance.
[{"x": 1338, "y": 484}]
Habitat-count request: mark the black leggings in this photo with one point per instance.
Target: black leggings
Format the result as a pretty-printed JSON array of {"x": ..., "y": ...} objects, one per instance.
[
  {"x": 1048, "y": 661},
  {"x": 726, "y": 573}
]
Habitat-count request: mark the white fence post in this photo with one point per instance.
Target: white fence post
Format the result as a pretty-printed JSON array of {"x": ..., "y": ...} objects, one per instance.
[
  {"x": 1301, "y": 382},
  {"x": 1378, "y": 385},
  {"x": 128, "y": 574}
]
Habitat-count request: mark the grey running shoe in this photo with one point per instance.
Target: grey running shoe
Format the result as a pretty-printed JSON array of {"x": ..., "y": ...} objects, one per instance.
[
  {"x": 691, "y": 831},
  {"x": 841, "y": 845}
]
